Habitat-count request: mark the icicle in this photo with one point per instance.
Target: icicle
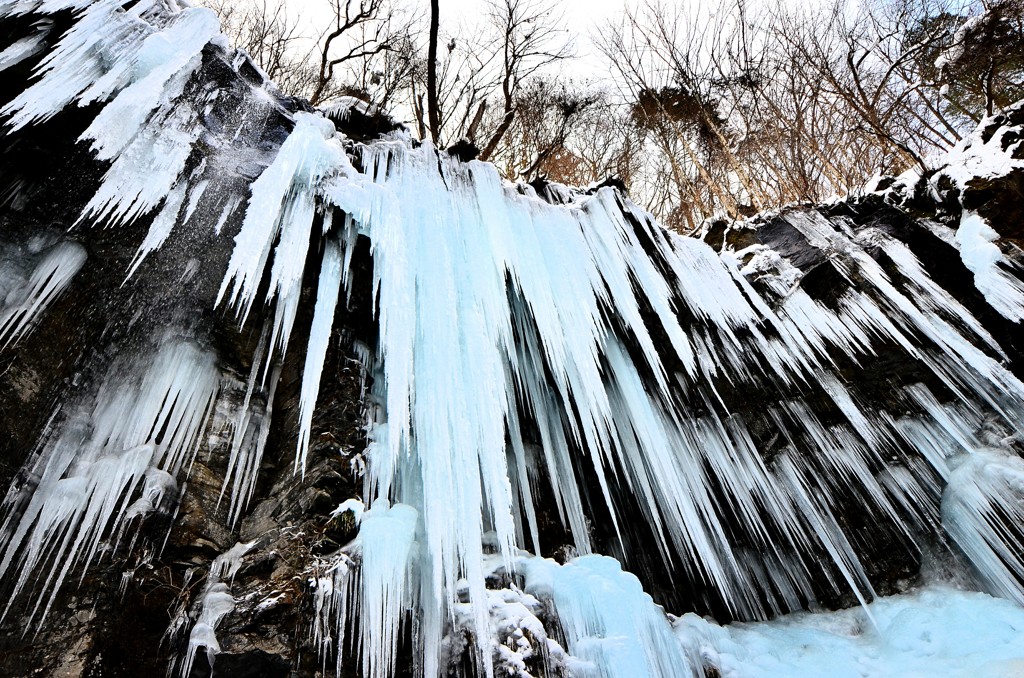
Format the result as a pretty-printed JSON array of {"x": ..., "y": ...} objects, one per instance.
[
  {"x": 448, "y": 263},
  {"x": 112, "y": 54},
  {"x": 90, "y": 62},
  {"x": 983, "y": 510},
  {"x": 145, "y": 174},
  {"x": 26, "y": 47},
  {"x": 613, "y": 628},
  {"x": 981, "y": 255},
  {"x": 319, "y": 338},
  {"x": 334, "y": 593},
  {"x": 245, "y": 452},
  {"x": 387, "y": 535},
  {"x": 282, "y": 202},
  {"x": 52, "y": 275},
  {"x": 216, "y": 602},
  {"x": 161, "y": 227},
  {"x": 369, "y": 580},
  {"x": 164, "y": 62},
  {"x": 158, "y": 485},
  {"x": 500, "y": 315},
  {"x": 249, "y": 438}
]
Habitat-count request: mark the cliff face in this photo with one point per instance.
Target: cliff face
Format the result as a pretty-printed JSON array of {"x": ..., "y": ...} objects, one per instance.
[
  {"x": 129, "y": 614},
  {"x": 275, "y": 385}
]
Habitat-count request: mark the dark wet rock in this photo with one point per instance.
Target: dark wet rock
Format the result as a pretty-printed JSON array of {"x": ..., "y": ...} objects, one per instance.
[{"x": 463, "y": 149}]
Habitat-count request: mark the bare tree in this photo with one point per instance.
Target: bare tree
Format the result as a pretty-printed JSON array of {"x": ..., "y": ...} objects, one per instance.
[
  {"x": 547, "y": 112},
  {"x": 367, "y": 41},
  {"x": 866, "y": 66},
  {"x": 606, "y": 143},
  {"x": 362, "y": 29},
  {"x": 723, "y": 107},
  {"x": 469, "y": 74},
  {"x": 742, "y": 110},
  {"x": 531, "y": 40},
  {"x": 981, "y": 65},
  {"x": 272, "y": 37},
  {"x": 659, "y": 53},
  {"x": 384, "y": 79},
  {"x": 465, "y": 77}
]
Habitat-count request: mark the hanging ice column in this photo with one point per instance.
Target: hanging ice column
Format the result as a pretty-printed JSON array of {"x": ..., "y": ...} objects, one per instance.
[
  {"x": 215, "y": 603},
  {"x": 113, "y": 55},
  {"x": 369, "y": 580}
]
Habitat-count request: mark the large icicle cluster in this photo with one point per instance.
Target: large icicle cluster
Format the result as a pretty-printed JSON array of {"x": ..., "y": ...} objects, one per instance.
[
  {"x": 77, "y": 489},
  {"x": 27, "y": 293},
  {"x": 510, "y": 321},
  {"x": 524, "y": 349}
]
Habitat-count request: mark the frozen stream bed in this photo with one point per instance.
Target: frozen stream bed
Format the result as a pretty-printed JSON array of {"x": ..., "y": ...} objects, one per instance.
[{"x": 934, "y": 631}]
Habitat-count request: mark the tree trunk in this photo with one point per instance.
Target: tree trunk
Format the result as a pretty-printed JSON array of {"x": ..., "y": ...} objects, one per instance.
[{"x": 432, "y": 113}]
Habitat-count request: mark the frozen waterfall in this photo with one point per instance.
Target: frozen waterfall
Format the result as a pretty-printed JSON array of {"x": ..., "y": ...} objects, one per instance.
[{"x": 543, "y": 377}]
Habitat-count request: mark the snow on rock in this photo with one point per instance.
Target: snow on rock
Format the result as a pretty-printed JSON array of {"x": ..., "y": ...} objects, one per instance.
[
  {"x": 353, "y": 506},
  {"x": 970, "y": 189},
  {"x": 520, "y": 644},
  {"x": 983, "y": 257},
  {"x": 981, "y": 156},
  {"x": 342, "y": 106},
  {"x": 992, "y": 152}
]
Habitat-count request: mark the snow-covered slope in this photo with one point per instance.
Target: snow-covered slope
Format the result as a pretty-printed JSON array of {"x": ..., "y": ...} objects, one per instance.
[{"x": 794, "y": 412}]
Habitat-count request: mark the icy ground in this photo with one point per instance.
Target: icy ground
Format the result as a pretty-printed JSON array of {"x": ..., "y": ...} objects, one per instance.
[
  {"x": 931, "y": 633},
  {"x": 613, "y": 629}
]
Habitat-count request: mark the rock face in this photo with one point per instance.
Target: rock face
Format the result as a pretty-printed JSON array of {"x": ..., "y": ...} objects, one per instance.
[
  {"x": 129, "y": 615},
  {"x": 225, "y": 318}
]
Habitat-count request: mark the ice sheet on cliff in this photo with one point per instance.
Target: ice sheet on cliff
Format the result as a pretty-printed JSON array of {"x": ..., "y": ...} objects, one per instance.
[{"x": 576, "y": 351}]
